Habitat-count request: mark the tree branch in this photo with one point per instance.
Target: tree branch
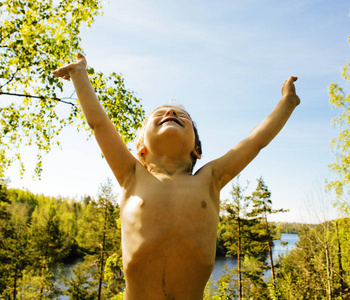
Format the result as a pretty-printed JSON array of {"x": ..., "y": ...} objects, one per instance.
[
  {"x": 38, "y": 97},
  {"x": 13, "y": 76}
]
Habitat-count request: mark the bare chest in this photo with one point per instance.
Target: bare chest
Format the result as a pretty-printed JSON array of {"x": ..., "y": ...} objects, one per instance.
[{"x": 162, "y": 213}]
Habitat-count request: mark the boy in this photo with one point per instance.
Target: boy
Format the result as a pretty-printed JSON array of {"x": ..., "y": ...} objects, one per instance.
[{"x": 169, "y": 216}]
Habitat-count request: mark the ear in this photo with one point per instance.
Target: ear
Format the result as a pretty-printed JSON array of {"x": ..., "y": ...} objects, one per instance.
[
  {"x": 142, "y": 151},
  {"x": 195, "y": 153}
]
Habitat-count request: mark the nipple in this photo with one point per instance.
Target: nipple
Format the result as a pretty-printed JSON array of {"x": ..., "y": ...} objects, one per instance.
[{"x": 141, "y": 203}]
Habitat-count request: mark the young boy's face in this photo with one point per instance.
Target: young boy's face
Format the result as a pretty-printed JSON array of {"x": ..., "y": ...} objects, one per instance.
[{"x": 166, "y": 125}]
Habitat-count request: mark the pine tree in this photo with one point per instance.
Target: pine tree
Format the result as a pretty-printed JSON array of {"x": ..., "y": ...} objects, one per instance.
[
  {"x": 50, "y": 242},
  {"x": 79, "y": 287},
  {"x": 262, "y": 207},
  {"x": 14, "y": 247},
  {"x": 51, "y": 246},
  {"x": 243, "y": 241},
  {"x": 236, "y": 235},
  {"x": 101, "y": 232}
]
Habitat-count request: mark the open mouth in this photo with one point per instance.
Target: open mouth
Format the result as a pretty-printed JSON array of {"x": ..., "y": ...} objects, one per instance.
[{"x": 175, "y": 120}]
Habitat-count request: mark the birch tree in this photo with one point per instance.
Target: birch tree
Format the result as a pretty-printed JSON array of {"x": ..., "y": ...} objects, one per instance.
[{"x": 36, "y": 37}]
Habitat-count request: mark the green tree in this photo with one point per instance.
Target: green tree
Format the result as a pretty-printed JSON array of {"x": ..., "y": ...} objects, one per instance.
[
  {"x": 79, "y": 286},
  {"x": 36, "y": 237},
  {"x": 254, "y": 285},
  {"x": 15, "y": 250},
  {"x": 114, "y": 274},
  {"x": 101, "y": 235},
  {"x": 340, "y": 145},
  {"x": 51, "y": 244},
  {"x": 244, "y": 239},
  {"x": 36, "y": 37},
  {"x": 237, "y": 235},
  {"x": 321, "y": 272},
  {"x": 38, "y": 283},
  {"x": 262, "y": 207}
]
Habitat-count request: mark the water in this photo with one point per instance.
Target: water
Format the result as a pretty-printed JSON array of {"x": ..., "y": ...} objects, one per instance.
[
  {"x": 231, "y": 263},
  {"x": 290, "y": 238}
]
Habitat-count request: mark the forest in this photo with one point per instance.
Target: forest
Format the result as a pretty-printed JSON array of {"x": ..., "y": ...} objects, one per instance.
[{"x": 40, "y": 236}]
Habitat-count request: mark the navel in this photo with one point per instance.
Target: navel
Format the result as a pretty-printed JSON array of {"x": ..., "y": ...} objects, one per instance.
[{"x": 204, "y": 204}]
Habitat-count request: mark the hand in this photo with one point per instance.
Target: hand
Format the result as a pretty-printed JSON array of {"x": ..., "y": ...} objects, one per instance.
[
  {"x": 66, "y": 71},
  {"x": 288, "y": 88}
]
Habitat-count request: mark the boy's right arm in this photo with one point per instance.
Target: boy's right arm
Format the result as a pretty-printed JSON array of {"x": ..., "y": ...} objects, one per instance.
[{"x": 119, "y": 158}]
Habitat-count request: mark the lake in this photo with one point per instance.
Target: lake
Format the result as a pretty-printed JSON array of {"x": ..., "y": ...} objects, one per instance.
[{"x": 231, "y": 263}]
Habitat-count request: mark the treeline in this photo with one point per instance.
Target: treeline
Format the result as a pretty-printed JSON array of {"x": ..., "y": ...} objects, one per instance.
[{"x": 290, "y": 227}]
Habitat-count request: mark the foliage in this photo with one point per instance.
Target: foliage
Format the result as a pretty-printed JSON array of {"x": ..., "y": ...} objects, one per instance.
[
  {"x": 254, "y": 285},
  {"x": 223, "y": 289},
  {"x": 341, "y": 144},
  {"x": 15, "y": 248},
  {"x": 37, "y": 233},
  {"x": 313, "y": 277},
  {"x": 114, "y": 274},
  {"x": 262, "y": 207},
  {"x": 274, "y": 292},
  {"x": 78, "y": 284},
  {"x": 51, "y": 243},
  {"x": 36, "y": 37},
  {"x": 246, "y": 234},
  {"x": 38, "y": 284}
]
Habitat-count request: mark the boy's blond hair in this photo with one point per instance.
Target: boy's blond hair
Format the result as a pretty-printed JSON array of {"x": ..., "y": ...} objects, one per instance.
[{"x": 140, "y": 138}]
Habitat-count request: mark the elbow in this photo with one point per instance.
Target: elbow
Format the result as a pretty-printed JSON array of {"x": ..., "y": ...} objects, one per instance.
[
  {"x": 261, "y": 146},
  {"x": 91, "y": 125},
  {"x": 257, "y": 144},
  {"x": 96, "y": 122}
]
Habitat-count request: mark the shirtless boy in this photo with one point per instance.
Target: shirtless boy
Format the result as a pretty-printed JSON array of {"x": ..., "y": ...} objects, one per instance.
[{"x": 169, "y": 216}]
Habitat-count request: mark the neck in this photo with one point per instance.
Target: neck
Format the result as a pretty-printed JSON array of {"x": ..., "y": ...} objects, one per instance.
[{"x": 168, "y": 166}]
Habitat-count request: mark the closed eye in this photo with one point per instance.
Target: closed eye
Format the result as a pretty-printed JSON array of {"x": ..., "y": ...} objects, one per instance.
[{"x": 161, "y": 113}]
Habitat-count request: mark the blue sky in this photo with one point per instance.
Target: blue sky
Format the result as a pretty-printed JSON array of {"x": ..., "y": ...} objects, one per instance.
[{"x": 225, "y": 61}]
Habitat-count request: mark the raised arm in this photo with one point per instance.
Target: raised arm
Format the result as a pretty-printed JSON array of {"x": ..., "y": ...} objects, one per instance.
[
  {"x": 119, "y": 158},
  {"x": 233, "y": 162}
]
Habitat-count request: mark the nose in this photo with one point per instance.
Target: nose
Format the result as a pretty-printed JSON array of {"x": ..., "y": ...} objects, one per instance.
[{"x": 170, "y": 112}]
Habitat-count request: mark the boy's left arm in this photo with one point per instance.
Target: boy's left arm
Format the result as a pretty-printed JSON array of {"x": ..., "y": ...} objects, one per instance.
[{"x": 233, "y": 162}]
